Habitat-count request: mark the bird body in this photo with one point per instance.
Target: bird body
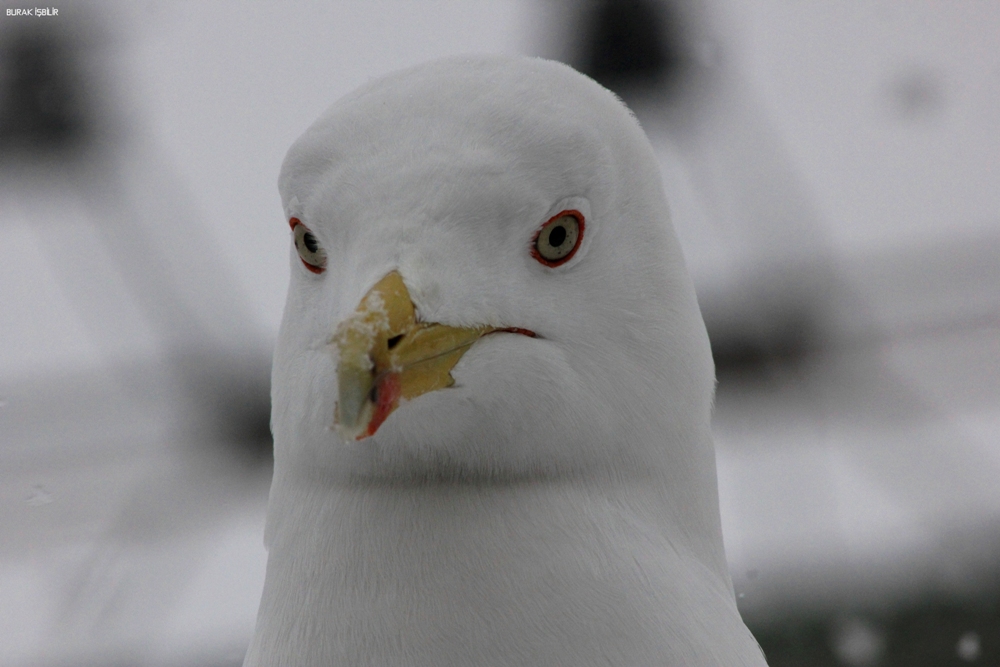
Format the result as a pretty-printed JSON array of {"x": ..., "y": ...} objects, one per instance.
[{"x": 491, "y": 390}]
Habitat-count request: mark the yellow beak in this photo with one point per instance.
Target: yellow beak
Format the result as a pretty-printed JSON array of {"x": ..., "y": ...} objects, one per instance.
[{"x": 386, "y": 355}]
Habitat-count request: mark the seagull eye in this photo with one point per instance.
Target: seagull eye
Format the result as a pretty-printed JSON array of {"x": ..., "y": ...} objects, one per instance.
[
  {"x": 558, "y": 239},
  {"x": 310, "y": 252}
]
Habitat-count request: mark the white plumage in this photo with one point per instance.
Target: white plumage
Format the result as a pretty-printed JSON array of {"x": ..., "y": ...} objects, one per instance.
[{"x": 557, "y": 505}]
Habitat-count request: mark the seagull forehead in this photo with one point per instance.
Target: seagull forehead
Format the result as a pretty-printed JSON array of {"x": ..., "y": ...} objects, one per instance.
[{"x": 444, "y": 134}]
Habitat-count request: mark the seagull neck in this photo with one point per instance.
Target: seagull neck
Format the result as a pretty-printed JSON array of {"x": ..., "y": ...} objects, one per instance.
[
  {"x": 376, "y": 567},
  {"x": 396, "y": 526}
]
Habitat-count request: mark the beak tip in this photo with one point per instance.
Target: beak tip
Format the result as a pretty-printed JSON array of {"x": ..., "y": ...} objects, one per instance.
[{"x": 349, "y": 435}]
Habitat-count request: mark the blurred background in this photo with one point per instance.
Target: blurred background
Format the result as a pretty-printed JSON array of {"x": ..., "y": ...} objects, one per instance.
[{"x": 834, "y": 173}]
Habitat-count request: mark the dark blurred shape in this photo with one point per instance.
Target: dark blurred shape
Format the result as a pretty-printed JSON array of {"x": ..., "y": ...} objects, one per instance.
[
  {"x": 630, "y": 44},
  {"x": 773, "y": 320},
  {"x": 753, "y": 354},
  {"x": 916, "y": 92},
  {"x": 927, "y": 633},
  {"x": 230, "y": 400},
  {"x": 40, "y": 106}
]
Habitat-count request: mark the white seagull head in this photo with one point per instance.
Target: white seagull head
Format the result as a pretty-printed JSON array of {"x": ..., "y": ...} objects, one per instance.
[{"x": 485, "y": 285}]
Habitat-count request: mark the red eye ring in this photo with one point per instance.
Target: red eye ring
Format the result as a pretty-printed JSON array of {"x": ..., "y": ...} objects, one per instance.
[
  {"x": 557, "y": 255},
  {"x": 312, "y": 255}
]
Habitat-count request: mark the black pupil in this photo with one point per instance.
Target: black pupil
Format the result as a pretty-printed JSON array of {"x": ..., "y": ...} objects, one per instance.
[
  {"x": 309, "y": 241},
  {"x": 394, "y": 341},
  {"x": 557, "y": 236}
]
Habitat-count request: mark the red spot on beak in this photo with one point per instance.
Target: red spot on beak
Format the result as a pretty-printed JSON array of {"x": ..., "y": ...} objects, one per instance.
[{"x": 387, "y": 390}]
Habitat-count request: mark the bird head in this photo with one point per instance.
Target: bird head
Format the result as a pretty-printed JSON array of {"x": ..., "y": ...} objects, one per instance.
[{"x": 485, "y": 284}]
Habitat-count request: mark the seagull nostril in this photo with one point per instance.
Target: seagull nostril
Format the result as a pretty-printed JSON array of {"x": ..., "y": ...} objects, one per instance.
[
  {"x": 394, "y": 341},
  {"x": 373, "y": 394}
]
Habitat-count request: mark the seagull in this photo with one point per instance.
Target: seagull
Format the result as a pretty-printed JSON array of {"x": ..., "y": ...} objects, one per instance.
[{"x": 492, "y": 389}]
